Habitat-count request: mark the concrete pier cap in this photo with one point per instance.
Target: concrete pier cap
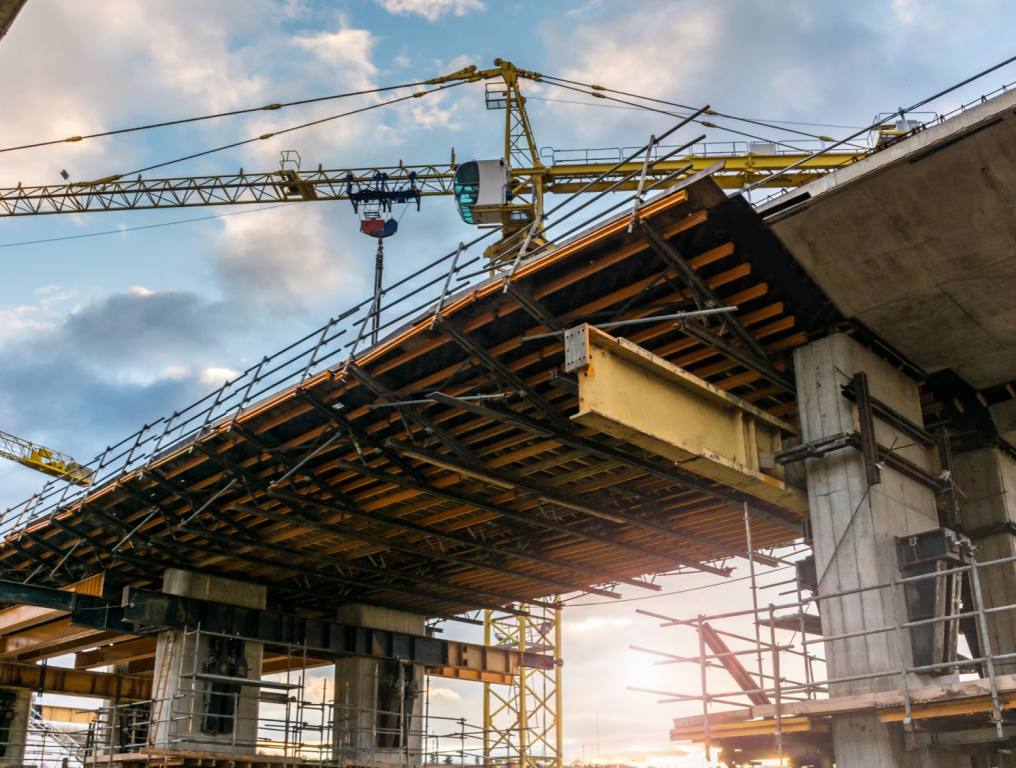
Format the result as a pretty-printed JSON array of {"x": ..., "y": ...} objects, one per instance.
[
  {"x": 198, "y": 702},
  {"x": 379, "y": 703}
]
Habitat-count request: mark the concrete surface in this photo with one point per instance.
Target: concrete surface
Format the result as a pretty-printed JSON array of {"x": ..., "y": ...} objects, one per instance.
[
  {"x": 180, "y": 700},
  {"x": 357, "y": 735},
  {"x": 854, "y": 529},
  {"x": 987, "y": 482},
  {"x": 918, "y": 242},
  {"x": 17, "y": 736},
  {"x": 8, "y": 10}
]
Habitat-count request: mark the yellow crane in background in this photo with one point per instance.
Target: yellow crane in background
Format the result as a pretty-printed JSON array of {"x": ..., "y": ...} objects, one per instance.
[
  {"x": 505, "y": 192},
  {"x": 44, "y": 459}
]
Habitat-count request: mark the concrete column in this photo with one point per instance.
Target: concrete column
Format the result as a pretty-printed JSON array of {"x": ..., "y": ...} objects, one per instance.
[
  {"x": 192, "y": 712},
  {"x": 854, "y": 529},
  {"x": 15, "y": 714},
  {"x": 986, "y": 479},
  {"x": 378, "y": 703}
]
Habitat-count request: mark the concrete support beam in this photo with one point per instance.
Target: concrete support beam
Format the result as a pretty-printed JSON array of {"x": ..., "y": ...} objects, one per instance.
[
  {"x": 196, "y": 706},
  {"x": 854, "y": 528},
  {"x": 986, "y": 479},
  {"x": 629, "y": 393}
]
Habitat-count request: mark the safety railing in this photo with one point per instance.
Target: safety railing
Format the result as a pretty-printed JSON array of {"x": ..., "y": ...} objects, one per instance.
[
  {"x": 594, "y": 155},
  {"x": 412, "y": 299},
  {"x": 925, "y": 120},
  {"x": 780, "y": 665}
]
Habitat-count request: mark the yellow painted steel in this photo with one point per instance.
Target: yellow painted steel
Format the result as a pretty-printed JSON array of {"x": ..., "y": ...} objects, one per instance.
[
  {"x": 531, "y": 178},
  {"x": 629, "y": 393},
  {"x": 522, "y": 721},
  {"x": 43, "y": 459}
]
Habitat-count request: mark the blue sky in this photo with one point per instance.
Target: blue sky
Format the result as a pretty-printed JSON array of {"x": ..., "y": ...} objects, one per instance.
[{"x": 100, "y": 334}]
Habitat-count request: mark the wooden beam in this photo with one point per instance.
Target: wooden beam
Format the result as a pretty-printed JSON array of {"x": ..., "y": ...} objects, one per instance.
[
  {"x": 117, "y": 653},
  {"x": 943, "y": 692}
]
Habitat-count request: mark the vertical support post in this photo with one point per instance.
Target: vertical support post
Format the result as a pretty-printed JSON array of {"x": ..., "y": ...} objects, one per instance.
[
  {"x": 777, "y": 686},
  {"x": 989, "y": 664},
  {"x": 703, "y": 684},
  {"x": 897, "y": 597},
  {"x": 754, "y": 597},
  {"x": 866, "y": 428}
]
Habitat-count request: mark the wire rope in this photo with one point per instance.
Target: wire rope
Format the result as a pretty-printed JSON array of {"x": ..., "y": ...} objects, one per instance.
[
  {"x": 213, "y": 116},
  {"x": 281, "y": 132}
]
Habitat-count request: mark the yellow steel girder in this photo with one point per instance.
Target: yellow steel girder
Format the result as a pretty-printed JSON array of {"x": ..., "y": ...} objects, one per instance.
[{"x": 629, "y": 393}]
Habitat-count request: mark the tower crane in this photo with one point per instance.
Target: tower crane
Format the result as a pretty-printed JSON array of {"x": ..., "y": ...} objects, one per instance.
[
  {"x": 506, "y": 192},
  {"x": 43, "y": 459}
]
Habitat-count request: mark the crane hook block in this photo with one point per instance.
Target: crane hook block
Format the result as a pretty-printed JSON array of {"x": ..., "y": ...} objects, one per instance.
[{"x": 379, "y": 228}]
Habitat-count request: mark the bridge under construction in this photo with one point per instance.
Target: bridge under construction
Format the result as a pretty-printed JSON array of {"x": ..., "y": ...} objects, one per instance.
[{"x": 684, "y": 382}]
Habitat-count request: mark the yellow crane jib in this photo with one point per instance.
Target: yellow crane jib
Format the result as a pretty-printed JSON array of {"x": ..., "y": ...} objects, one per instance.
[{"x": 44, "y": 460}]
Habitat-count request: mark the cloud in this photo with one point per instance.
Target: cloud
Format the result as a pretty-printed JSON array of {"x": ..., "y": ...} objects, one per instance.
[
  {"x": 184, "y": 65},
  {"x": 292, "y": 259},
  {"x": 23, "y": 321},
  {"x": 445, "y": 693},
  {"x": 432, "y": 10},
  {"x": 347, "y": 50}
]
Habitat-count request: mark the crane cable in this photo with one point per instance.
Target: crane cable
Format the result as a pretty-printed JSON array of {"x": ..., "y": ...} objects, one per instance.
[
  {"x": 272, "y": 134},
  {"x": 623, "y": 106},
  {"x": 599, "y": 90},
  {"x": 704, "y": 123},
  {"x": 216, "y": 115}
]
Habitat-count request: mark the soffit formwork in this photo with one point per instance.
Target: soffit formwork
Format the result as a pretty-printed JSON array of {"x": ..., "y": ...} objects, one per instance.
[{"x": 330, "y": 494}]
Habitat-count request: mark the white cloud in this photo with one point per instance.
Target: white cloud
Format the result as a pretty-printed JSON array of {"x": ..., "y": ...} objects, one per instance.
[
  {"x": 291, "y": 259},
  {"x": 214, "y": 376},
  {"x": 142, "y": 59},
  {"x": 446, "y": 694},
  {"x": 23, "y": 322},
  {"x": 346, "y": 49},
  {"x": 432, "y": 10}
]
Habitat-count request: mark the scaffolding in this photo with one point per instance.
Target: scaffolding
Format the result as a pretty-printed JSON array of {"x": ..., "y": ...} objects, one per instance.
[
  {"x": 522, "y": 721},
  {"x": 783, "y": 695}
]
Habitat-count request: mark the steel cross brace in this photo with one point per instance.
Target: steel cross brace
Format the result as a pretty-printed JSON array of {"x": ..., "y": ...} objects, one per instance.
[
  {"x": 532, "y": 520},
  {"x": 705, "y": 297},
  {"x": 745, "y": 357},
  {"x": 349, "y": 507},
  {"x": 598, "y": 448},
  {"x": 414, "y": 479},
  {"x": 562, "y": 500},
  {"x": 500, "y": 372},
  {"x": 387, "y": 570},
  {"x": 414, "y": 414}
]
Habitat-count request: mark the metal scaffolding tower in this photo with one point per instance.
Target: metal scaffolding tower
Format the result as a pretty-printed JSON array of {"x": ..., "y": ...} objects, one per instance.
[{"x": 522, "y": 721}]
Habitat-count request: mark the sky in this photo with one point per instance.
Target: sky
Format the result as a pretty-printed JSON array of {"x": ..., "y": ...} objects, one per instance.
[{"x": 100, "y": 334}]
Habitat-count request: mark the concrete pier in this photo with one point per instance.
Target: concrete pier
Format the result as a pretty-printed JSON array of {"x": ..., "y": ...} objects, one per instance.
[
  {"x": 196, "y": 706},
  {"x": 854, "y": 529},
  {"x": 379, "y": 704},
  {"x": 15, "y": 713}
]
